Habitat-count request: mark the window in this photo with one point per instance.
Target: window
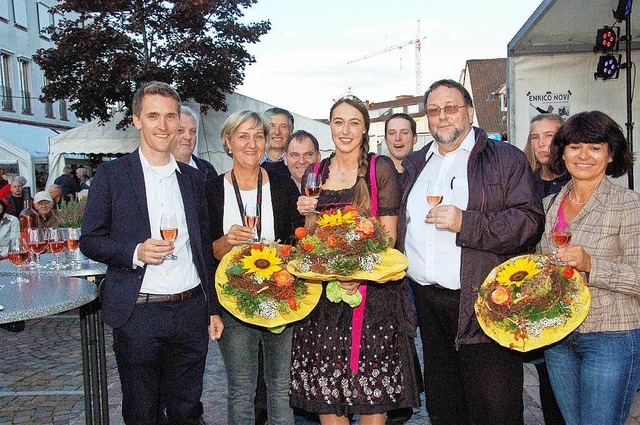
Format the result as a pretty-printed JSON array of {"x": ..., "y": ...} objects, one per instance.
[
  {"x": 25, "y": 93},
  {"x": 62, "y": 106},
  {"x": 5, "y": 82},
  {"x": 45, "y": 19},
  {"x": 4, "y": 10},
  {"x": 20, "y": 13},
  {"x": 48, "y": 106}
]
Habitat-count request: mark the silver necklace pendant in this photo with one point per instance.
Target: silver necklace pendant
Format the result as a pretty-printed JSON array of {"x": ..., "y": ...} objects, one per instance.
[{"x": 342, "y": 177}]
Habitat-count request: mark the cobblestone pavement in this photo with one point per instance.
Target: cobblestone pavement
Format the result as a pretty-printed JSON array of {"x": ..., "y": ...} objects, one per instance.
[{"x": 41, "y": 379}]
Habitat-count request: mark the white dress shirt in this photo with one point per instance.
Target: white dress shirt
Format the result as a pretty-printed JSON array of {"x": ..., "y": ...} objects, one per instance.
[
  {"x": 434, "y": 257},
  {"x": 163, "y": 195}
]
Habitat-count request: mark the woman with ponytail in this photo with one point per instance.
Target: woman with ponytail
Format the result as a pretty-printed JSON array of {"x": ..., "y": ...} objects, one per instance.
[{"x": 331, "y": 373}]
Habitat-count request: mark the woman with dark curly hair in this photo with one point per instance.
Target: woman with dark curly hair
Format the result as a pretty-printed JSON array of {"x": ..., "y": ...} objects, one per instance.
[{"x": 595, "y": 371}]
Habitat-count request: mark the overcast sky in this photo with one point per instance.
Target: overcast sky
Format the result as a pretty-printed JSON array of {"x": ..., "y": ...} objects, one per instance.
[{"x": 301, "y": 64}]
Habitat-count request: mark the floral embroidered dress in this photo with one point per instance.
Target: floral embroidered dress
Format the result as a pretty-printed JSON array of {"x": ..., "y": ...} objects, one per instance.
[{"x": 388, "y": 377}]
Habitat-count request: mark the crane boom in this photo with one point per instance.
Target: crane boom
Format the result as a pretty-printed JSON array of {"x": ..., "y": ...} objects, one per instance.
[
  {"x": 388, "y": 49},
  {"x": 417, "y": 41}
]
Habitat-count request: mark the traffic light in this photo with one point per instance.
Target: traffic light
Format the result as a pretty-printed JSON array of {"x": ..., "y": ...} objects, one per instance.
[
  {"x": 608, "y": 67},
  {"x": 607, "y": 39}
]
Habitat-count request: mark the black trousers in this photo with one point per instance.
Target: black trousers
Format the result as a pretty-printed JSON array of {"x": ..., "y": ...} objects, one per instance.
[
  {"x": 161, "y": 353},
  {"x": 474, "y": 384}
]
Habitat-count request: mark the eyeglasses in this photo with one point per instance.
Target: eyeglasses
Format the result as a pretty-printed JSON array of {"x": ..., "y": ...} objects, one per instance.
[{"x": 449, "y": 110}]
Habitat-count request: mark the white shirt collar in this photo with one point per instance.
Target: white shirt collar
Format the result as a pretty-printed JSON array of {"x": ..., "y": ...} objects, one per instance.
[
  {"x": 161, "y": 170},
  {"x": 467, "y": 144}
]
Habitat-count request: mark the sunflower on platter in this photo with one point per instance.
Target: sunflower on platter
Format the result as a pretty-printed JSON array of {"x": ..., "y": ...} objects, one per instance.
[
  {"x": 346, "y": 245},
  {"x": 528, "y": 302},
  {"x": 253, "y": 284}
]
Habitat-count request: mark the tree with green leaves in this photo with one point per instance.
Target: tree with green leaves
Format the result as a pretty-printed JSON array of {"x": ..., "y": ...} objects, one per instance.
[{"x": 105, "y": 50}]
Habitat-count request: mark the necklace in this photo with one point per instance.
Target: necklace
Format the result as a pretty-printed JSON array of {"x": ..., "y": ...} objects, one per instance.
[
  {"x": 343, "y": 175},
  {"x": 574, "y": 201}
]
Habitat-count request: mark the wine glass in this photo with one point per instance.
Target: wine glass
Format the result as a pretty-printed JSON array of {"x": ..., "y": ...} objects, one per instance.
[
  {"x": 251, "y": 219},
  {"x": 169, "y": 230},
  {"x": 560, "y": 237},
  {"x": 18, "y": 255},
  {"x": 72, "y": 239},
  {"x": 56, "y": 244},
  {"x": 37, "y": 243},
  {"x": 312, "y": 187},
  {"x": 435, "y": 193}
]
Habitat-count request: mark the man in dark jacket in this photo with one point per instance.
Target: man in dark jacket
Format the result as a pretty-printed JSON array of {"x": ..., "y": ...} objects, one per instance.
[
  {"x": 489, "y": 211},
  {"x": 68, "y": 184},
  {"x": 184, "y": 143}
]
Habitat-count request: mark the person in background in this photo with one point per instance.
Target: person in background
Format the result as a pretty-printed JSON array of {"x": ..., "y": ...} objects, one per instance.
[
  {"x": 56, "y": 194},
  {"x": 542, "y": 129},
  {"x": 43, "y": 204},
  {"x": 244, "y": 134},
  {"x": 4, "y": 179},
  {"x": 81, "y": 174},
  {"x": 184, "y": 143},
  {"x": 538, "y": 151},
  {"x": 490, "y": 212},
  {"x": 15, "y": 201},
  {"x": 595, "y": 370},
  {"x": 9, "y": 229},
  {"x": 400, "y": 136},
  {"x": 329, "y": 375},
  {"x": 67, "y": 183},
  {"x": 300, "y": 150},
  {"x": 163, "y": 312},
  {"x": 281, "y": 126}
]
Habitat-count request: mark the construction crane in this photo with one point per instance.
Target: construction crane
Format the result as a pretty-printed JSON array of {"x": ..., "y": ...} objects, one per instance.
[{"x": 416, "y": 41}]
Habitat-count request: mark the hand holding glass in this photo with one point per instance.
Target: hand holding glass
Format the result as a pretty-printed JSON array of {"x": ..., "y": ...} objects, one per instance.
[
  {"x": 559, "y": 238},
  {"x": 169, "y": 230},
  {"x": 313, "y": 187},
  {"x": 251, "y": 219}
]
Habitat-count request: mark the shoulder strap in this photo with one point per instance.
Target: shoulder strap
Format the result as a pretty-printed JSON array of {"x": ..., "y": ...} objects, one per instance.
[
  {"x": 374, "y": 186},
  {"x": 316, "y": 167}
]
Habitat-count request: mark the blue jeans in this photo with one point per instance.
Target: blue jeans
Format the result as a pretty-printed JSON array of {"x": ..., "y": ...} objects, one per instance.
[
  {"x": 595, "y": 376},
  {"x": 239, "y": 347}
]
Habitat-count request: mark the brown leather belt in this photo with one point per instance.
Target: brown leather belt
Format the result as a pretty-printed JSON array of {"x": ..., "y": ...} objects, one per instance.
[{"x": 169, "y": 298}]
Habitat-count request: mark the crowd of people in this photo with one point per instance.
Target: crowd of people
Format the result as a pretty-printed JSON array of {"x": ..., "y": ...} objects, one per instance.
[{"x": 339, "y": 361}]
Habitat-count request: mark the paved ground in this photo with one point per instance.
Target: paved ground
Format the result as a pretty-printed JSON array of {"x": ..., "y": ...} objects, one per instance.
[{"x": 41, "y": 379}]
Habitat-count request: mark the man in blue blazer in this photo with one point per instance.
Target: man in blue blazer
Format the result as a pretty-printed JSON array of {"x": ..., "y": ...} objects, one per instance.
[{"x": 162, "y": 310}]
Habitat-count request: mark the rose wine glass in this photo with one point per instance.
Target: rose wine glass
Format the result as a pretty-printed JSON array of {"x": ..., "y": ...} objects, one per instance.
[
  {"x": 560, "y": 237},
  {"x": 72, "y": 240},
  {"x": 169, "y": 230},
  {"x": 18, "y": 255},
  {"x": 435, "y": 193},
  {"x": 37, "y": 244},
  {"x": 251, "y": 219},
  {"x": 56, "y": 244},
  {"x": 313, "y": 187}
]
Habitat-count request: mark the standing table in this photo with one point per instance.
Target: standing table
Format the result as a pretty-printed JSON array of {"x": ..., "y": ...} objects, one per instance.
[{"x": 54, "y": 291}]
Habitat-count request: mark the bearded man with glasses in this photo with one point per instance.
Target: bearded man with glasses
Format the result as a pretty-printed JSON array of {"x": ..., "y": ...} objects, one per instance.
[{"x": 487, "y": 210}]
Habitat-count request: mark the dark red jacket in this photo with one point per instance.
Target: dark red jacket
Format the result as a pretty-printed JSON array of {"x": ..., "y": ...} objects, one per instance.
[{"x": 504, "y": 218}]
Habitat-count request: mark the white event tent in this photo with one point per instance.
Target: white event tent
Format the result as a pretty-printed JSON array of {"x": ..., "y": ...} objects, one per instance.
[{"x": 93, "y": 138}]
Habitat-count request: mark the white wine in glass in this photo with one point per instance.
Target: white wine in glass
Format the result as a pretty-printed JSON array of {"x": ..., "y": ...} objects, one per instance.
[{"x": 169, "y": 230}]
